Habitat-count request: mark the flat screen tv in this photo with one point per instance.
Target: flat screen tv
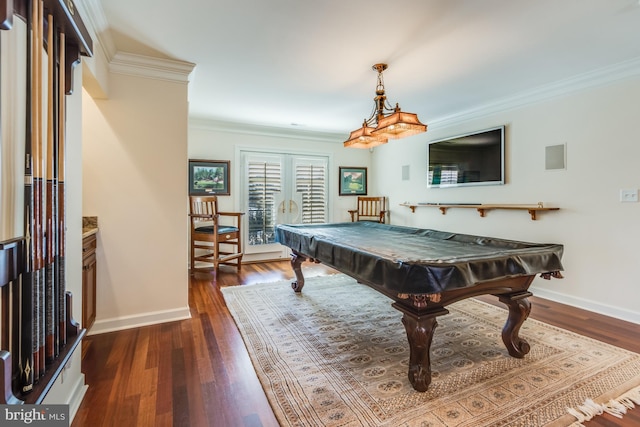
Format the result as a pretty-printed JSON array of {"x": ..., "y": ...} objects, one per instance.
[{"x": 471, "y": 159}]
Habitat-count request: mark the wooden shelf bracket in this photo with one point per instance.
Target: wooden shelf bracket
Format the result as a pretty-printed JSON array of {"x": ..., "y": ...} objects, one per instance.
[{"x": 483, "y": 208}]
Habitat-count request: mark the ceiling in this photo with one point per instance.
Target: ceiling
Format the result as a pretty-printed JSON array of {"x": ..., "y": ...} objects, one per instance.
[{"x": 306, "y": 64}]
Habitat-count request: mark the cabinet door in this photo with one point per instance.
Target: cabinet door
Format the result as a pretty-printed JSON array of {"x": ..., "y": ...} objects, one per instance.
[
  {"x": 89, "y": 291},
  {"x": 88, "y": 281}
]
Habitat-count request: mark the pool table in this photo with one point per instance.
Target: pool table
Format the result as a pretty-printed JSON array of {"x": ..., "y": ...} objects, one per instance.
[{"x": 425, "y": 270}]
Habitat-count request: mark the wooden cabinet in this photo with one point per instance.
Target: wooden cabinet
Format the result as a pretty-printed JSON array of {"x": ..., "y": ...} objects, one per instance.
[{"x": 88, "y": 281}]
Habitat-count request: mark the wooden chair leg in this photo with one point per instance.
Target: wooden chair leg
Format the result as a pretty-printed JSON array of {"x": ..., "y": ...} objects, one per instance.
[
  {"x": 216, "y": 255},
  {"x": 193, "y": 255}
]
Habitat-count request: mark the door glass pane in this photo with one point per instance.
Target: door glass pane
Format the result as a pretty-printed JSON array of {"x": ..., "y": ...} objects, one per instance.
[
  {"x": 311, "y": 184},
  {"x": 264, "y": 187}
]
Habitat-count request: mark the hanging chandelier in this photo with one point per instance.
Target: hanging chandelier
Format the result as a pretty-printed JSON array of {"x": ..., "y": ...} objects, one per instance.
[{"x": 385, "y": 121}]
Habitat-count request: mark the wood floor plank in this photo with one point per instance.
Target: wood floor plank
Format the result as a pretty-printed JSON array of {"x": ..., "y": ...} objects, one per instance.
[
  {"x": 139, "y": 383},
  {"x": 164, "y": 395},
  {"x": 147, "y": 410},
  {"x": 153, "y": 350},
  {"x": 197, "y": 372},
  {"x": 193, "y": 378},
  {"x": 127, "y": 412}
]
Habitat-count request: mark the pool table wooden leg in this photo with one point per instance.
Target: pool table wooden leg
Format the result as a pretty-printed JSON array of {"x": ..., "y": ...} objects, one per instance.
[
  {"x": 420, "y": 329},
  {"x": 296, "y": 263},
  {"x": 519, "y": 309}
]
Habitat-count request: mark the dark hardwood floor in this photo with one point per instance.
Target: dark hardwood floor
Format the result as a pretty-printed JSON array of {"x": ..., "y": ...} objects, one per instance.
[{"x": 197, "y": 372}]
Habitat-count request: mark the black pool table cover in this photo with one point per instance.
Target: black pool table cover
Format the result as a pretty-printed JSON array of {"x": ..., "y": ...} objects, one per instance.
[{"x": 417, "y": 261}]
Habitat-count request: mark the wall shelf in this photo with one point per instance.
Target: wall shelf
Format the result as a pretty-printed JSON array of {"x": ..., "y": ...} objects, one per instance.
[{"x": 481, "y": 208}]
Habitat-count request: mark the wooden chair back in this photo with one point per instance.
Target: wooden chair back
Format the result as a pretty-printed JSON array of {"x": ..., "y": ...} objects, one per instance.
[{"x": 370, "y": 209}]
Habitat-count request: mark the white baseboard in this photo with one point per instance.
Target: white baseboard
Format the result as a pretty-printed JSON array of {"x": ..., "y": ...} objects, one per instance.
[
  {"x": 607, "y": 310},
  {"x": 77, "y": 394},
  {"x": 69, "y": 387},
  {"x": 135, "y": 321}
]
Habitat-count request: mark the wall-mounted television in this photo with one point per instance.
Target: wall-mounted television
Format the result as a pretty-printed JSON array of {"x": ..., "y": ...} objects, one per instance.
[{"x": 475, "y": 158}]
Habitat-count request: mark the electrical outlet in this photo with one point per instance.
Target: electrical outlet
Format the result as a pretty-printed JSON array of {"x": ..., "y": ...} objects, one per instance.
[{"x": 628, "y": 196}]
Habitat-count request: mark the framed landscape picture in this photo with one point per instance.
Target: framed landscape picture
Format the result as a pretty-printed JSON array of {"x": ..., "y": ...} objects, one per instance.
[
  {"x": 353, "y": 181},
  {"x": 209, "y": 177}
]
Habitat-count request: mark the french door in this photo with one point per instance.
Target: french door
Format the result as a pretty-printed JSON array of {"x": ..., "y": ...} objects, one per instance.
[{"x": 281, "y": 188}]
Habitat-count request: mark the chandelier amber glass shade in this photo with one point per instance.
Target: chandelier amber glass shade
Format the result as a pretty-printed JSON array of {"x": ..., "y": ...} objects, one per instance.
[
  {"x": 399, "y": 125},
  {"x": 363, "y": 138}
]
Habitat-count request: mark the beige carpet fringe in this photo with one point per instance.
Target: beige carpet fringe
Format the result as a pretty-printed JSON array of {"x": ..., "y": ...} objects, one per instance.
[{"x": 617, "y": 407}]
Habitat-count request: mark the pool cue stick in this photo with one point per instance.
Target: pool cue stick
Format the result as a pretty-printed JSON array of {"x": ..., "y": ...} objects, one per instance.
[
  {"x": 37, "y": 189},
  {"x": 43, "y": 200},
  {"x": 50, "y": 232},
  {"x": 27, "y": 338},
  {"x": 62, "y": 324},
  {"x": 35, "y": 237},
  {"x": 38, "y": 176}
]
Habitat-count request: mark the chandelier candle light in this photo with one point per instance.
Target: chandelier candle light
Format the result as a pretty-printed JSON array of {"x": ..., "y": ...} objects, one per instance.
[{"x": 385, "y": 121}]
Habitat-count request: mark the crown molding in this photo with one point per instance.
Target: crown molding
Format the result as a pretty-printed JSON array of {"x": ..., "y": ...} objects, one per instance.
[
  {"x": 588, "y": 80},
  {"x": 177, "y": 71},
  {"x": 152, "y": 68},
  {"x": 261, "y": 130},
  {"x": 129, "y": 63},
  {"x": 584, "y": 81},
  {"x": 98, "y": 25}
]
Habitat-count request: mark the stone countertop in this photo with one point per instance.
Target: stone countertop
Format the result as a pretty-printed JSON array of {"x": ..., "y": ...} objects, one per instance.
[
  {"x": 89, "y": 226},
  {"x": 89, "y": 231}
]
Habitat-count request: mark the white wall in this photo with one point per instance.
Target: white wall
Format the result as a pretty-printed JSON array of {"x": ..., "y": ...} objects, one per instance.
[
  {"x": 600, "y": 234},
  {"x": 135, "y": 182}
]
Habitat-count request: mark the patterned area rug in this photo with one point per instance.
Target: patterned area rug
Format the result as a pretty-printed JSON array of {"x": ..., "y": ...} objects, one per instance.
[{"x": 337, "y": 355}]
